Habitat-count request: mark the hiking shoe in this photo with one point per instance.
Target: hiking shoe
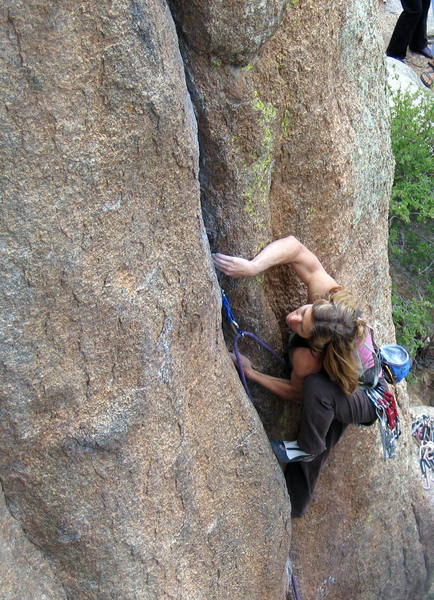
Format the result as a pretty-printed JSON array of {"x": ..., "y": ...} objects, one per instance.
[{"x": 288, "y": 452}]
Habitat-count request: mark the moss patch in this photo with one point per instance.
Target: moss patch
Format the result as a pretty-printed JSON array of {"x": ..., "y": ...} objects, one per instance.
[
  {"x": 267, "y": 110},
  {"x": 216, "y": 63},
  {"x": 285, "y": 124},
  {"x": 259, "y": 173}
]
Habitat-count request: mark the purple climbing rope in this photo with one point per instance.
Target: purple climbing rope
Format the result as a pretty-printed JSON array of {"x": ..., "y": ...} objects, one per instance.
[
  {"x": 242, "y": 334},
  {"x": 295, "y": 589}
]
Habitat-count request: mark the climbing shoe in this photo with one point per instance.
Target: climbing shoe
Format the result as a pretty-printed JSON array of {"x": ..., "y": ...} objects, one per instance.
[{"x": 288, "y": 452}]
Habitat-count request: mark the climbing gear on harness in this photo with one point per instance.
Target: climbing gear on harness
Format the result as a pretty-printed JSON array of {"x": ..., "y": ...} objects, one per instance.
[
  {"x": 391, "y": 359},
  {"x": 423, "y": 433},
  {"x": 395, "y": 361},
  {"x": 423, "y": 429},
  {"x": 426, "y": 461},
  {"x": 388, "y": 419},
  {"x": 239, "y": 335}
]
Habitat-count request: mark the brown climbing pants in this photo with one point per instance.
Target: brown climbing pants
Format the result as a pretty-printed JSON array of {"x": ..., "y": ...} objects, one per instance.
[{"x": 326, "y": 412}]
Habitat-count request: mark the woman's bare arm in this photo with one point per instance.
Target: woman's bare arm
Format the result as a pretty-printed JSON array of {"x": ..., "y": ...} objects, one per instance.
[
  {"x": 288, "y": 389},
  {"x": 287, "y": 250},
  {"x": 304, "y": 363}
]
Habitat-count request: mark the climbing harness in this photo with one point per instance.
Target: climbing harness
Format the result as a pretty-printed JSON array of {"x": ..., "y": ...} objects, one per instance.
[
  {"x": 239, "y": 335},
  {"x": 423, "y": 433}
]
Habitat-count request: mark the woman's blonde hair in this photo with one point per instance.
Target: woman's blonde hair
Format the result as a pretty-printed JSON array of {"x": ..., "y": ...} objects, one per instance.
[{"x": 337, "y": 324}]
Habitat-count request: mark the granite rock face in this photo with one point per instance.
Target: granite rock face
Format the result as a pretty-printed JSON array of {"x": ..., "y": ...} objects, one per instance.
[
  {"x": 132, "y": 463},
  {"x": 230, "y": 31},
  {"x": 131, "y": 460},
  {"x": 25, "y": 571},
  {"x": 298, "y": 142}
]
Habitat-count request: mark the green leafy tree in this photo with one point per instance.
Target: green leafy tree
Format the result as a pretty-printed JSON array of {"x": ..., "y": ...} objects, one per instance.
[
  {"x": 412, "y": 130},
  {"x": 411, "y": 317},
  {"x": 411, "y": 216}
]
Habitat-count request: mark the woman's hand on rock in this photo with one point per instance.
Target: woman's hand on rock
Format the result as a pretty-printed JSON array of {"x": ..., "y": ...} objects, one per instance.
[
  {"x": 234, "y": 266},
  {"x": 246, "y": 363}
]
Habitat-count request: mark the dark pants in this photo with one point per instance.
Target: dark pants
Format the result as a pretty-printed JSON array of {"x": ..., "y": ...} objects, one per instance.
[
  {"x": 326, "y": 412},
  {"x": 410, "y": 29}
]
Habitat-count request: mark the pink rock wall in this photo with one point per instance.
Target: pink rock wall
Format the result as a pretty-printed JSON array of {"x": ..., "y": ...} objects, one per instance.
[{"x": 132, "y": 463}]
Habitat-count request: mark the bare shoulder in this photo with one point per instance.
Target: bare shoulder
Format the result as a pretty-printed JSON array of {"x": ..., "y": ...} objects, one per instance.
[
  {"x": 320, "y": 285},
  {"x": 304, "y": 362},
  {"x": 310, "y": 270}
]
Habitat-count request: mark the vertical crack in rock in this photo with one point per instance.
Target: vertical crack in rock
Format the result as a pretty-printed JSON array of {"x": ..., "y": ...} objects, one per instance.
[
  {"x": 237, "y": 133},
  {"x": 224, "y": 163},
  {"x": 235, "y": 179}
]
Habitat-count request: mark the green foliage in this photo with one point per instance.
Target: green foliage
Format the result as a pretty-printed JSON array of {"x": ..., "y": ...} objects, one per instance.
[
  {"x": 411, "y": 317},
  {"x": 411, "y": 233},
  {"x": 411, "y": 247},
  {"x": 413, "y": 145}
]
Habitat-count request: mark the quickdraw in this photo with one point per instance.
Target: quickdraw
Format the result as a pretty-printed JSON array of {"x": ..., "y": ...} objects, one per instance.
[
  {"x": 423, "y": 433},
  {"x": 239, "y": 335},
  {"x": 423, "y": 429}
]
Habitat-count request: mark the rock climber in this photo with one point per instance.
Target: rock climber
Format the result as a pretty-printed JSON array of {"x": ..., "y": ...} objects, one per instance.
[{"x": 331, "y": 355}]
